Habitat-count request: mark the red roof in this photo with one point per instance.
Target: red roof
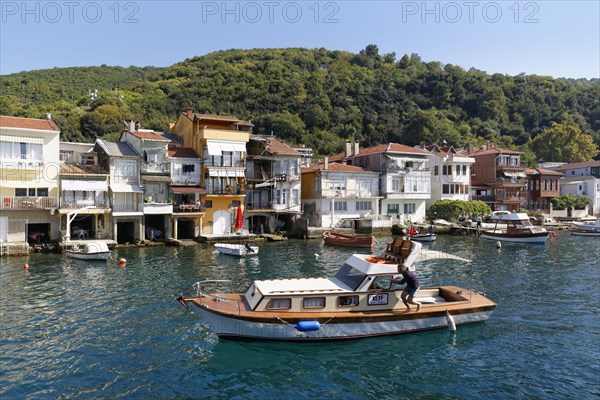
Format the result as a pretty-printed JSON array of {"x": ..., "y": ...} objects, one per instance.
[
  {"x": 578, "y": 165},
  {"x": 183, "y": 152},
  {"x": 478, "y": 151},
  {"x": 28, "y": 123},
  {"x": 382, "y": 148},
  {"x": 149, "y": 135},
  {"x": 338, "y": 167}
]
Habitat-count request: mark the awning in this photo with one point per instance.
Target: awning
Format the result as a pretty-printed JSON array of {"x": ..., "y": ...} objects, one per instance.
[
  {"x": 232, "y": 173},
  {"x": 514, "y": 174},
  {"x": 156, "y": 178},
  {"x": 217, "y": 147},
  {"x": 26, "y": 184},
  {"x": 22, "y": 139},
  {"x": 81, "y": 184},
  {"x": 122, "y": 188},
  {"x": 187, "y": 189}
]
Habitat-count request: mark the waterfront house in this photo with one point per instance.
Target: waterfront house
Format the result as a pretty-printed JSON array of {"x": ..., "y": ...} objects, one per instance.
[
  {"x": 29, "y": 167},
  {"x": 155, "y": 176},
  {"x": 334, "y": 192},
  {"x": 273, "y": 182},
  {"x": 84, "y": 204},
  {"x": 582, "y": 178},
  {"x": 123, "y": 164},
  {"x": 306, "y": 154},
  {"x": 221, "y": 143},
  {"x": 542, "y": 185},
  {"x": 498, "y": 177},
  {"x": 404, "y": 177},
  {"x": 450, "y": 173},
  {"x": 187, "y": 194}
]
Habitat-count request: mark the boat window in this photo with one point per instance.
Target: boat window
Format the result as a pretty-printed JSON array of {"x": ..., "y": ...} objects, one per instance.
[
  {"x": 314, "y": 302},
  {"x": 347, "y": 301},
  {"x": 350, "y": 276},
  {"x": 382, "y": 282},
  {"x": 279, "y": 304}
]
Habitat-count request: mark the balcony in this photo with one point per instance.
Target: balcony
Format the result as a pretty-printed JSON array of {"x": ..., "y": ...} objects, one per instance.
[
  {"x": 515, "y": 182},
  {"x": 231, "y": 189},
  {"x": 70, "y": 203},
  {"x": 484, "y": 198},
  {"x": 155, "y": 168},
  {"x": 126, "y": 208},
  {"x": 158, "y": 208},
  {"x": 28, "y": 203}
]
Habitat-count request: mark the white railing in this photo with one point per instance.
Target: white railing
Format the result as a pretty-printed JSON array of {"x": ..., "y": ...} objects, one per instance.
[{"x": 18, "y": 202}]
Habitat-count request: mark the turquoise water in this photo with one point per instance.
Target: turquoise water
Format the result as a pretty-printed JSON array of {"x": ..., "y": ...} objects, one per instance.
[{"x": 72, "y": 329}]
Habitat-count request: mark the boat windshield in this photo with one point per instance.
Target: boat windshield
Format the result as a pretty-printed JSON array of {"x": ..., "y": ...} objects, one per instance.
[{"x": 350, "y": 276}]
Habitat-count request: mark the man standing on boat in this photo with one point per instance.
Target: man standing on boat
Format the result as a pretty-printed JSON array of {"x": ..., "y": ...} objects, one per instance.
[{"x": 412, "y": 286}]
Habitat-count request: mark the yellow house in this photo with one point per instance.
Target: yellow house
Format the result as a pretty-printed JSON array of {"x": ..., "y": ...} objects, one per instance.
[
  {"x": 221, "y": 143},
  {"x": 29, "y": 168}
]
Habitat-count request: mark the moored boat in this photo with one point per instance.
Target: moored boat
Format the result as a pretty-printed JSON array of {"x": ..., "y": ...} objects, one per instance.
[
  {"x": 360, "y": 300},
  {"x": 90, "y": 251},
  {"x": 588, "y": 228},
  {"x": 341, "y": 239},
  {"x": 236, "y": 249},
  {"x": 515, "y": 227},
  {"x": 424, "y": 237}
]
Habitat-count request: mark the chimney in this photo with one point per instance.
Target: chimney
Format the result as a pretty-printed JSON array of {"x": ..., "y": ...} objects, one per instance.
[
  {"x": 469, "y": 148},
  {"x": 48, "y": 116},
  {"x": 189, "y": 112},
  {"x": 487, "y": 145},
  {"x": 356, "y": 148},
  {"x": 326, "y": 162},
  {"x": 422, "y": 145},
  {"x": 348, "y": 151},
  {"x": 131, "y": 126}
]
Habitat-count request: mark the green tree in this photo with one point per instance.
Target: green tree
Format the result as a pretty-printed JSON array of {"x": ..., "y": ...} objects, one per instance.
[{"x": 564, "y": 143}]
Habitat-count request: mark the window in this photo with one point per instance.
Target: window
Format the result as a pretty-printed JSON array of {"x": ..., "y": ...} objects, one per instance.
[
  {"x": 409, "y": 208},
  {"x": 65, "y": 155},
  {"x": 187, "y": 168},
  {"x": 444, "y": 170},
  {"x": 295, "y": 197},
  {"x": 382, "y": 282},
  {"x": 458, "y": 170},
  {"x": 125, "y": 168},
  {"x": 20, "y": 192},
  {"x": 235, "y": 203},
  {"x": 363, "y": 205},
  {"x": 31, "y": 191},
  {"x": 445, "y": 189},
  {"x": 436, "y": 170},
  {"x": 279, "y": 304},
  {"x": 350, "y": 276},
  {"x": 42, "y": 192},
  {"x": 393, "y": 209},
  {"x": 337, "y": 185},
  {"x": 395, "y": 185},
  {"x": 339, "y": 206},
  {"x": 313, "y": 302},
  {"x": 208, "y": 204},
  {"x": 464, "y": 167},
  {"x": 347, "y": 301}
]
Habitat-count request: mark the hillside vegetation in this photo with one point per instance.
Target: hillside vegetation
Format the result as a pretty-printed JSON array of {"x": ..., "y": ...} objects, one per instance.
[{"x": 321, "y": 98}]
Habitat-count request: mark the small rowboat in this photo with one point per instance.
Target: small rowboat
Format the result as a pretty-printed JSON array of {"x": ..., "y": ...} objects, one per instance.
[
  {"x": 424, "y": 237},
  {"x": 240, "y": 250},
  {"x": 90, "y": 251},
  {"x": 340, "y": 239}
]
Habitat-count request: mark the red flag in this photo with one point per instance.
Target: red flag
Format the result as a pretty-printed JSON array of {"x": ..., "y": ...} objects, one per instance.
[{"x": 239, "y": 222}]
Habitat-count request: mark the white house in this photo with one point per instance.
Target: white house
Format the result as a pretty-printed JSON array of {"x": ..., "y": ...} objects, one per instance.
[{"x": 582, "y": 179}]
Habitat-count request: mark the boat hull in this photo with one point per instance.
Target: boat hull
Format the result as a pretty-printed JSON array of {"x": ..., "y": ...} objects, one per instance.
[
  {"x": 88, "y": 256},
  {"x": 540, "y": 237},
  {"x": 585, "y": 233},
  {"x": 338, "y": 239},
  {"x": 279, "y": 329},
  {"x": 423, "y": 238},
  {"x": 238, "y": 250}
]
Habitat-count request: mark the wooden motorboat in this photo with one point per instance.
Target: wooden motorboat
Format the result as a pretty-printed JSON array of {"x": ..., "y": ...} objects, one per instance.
[
  {"x": 341, "y": 239},
  {"x": 90, "y": 251},
  {"x": 424, "y": 237},
  {"x": 236, "y": 249},
  {"x": 359, "y": 301},
  {"x": 588, "y": 228},
  {"x": 515, "y": 227}
]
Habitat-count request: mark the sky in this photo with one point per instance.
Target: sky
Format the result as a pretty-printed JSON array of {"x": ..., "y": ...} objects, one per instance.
[{"x": 554, "y": 38}]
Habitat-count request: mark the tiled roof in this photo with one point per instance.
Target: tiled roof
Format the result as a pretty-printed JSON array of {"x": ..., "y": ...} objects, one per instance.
[
  {"x": 536, "y": 171},
  {"x": 212, "y": 117},
  {"x": 578, "y": 165},
  {"x": 171, "y": 136},
  {"x": 183, "y": 152},
  {"x": 382, "y": 148},
  {"x": 149, "y": 135},
  {"x": 337, "y": 167},
  {"x": 79, "y": 169},
  {"x": 479, "y": 151},
  {"x": 280, "y": 148},
  {"x": 28, "y": 123},
  {"x": 117, "y": 149}
]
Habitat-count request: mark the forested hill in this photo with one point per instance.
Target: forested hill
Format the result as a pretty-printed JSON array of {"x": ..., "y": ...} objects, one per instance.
[{"x": 320, "y": 98}]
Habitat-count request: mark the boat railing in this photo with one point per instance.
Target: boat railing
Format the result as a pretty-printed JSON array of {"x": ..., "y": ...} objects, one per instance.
[{"x": 198, "y": 286}]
